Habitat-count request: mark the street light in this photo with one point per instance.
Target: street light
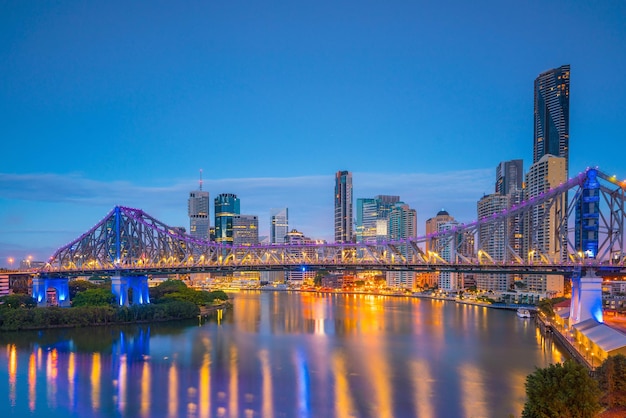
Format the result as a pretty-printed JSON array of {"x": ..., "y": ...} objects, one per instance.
[{"x": 11, "y": 262}]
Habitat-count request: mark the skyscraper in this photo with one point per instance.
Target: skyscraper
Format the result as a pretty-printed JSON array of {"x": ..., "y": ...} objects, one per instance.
[
  {"x": 343, "y": 206},
  {"x": 372, "y": 217},
  {"x": 541, "y": 239},
  {"x": 402, "y": 225},
  {"x": 509, "y": 176},
  {"x": 198, "y": 211},
  {"x": 279, "y": 225},
  {"x": 226, "y": 207},
  {"x": 551, "y": 133},
  {"x": 493, "y": 240},
  {"x": 245, "y": 230}
]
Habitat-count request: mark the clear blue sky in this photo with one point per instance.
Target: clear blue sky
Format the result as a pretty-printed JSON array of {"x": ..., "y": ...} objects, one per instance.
[{"x": 121, "y": 103}]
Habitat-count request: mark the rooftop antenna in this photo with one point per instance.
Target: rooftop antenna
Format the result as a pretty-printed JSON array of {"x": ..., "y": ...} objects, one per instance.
[{"x": 200, "y": 179}]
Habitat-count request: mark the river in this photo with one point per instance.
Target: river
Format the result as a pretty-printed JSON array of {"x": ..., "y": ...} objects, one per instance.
[{"x": 283, "y": 354}]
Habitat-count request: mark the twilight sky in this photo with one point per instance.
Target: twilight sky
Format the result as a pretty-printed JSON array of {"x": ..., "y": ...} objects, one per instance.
[{"x": 122, "y": 103}]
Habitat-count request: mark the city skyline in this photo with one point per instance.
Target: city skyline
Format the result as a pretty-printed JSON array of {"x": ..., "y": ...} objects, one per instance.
[{"x": 102, "y": 110}]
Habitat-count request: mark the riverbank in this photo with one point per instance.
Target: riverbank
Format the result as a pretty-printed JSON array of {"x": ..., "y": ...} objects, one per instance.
[{"x": 18, "y": 319}]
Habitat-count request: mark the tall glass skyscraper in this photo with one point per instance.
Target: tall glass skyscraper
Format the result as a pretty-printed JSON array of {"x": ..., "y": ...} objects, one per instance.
[
  {"x": 343, "y": 206},
  {"x": 279, "y": 225},
  {"x": 551, "y": 135},
  {"x": 226, "y": 207},
  {"x": 372, "y": 217}
]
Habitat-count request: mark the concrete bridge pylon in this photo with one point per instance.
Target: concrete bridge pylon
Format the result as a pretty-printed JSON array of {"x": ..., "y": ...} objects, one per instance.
[{"x": 586, "y": 298}]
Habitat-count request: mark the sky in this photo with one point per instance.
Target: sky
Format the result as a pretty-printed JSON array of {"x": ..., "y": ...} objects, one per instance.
[{"x": 123, "y": 103}]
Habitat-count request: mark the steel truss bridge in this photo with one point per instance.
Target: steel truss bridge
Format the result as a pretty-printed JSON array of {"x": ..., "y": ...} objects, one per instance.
[{"x": 129, "y": 242}]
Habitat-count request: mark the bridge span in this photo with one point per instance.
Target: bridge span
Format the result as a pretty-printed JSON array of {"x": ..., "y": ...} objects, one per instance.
[{"x": 129, "y": 245}]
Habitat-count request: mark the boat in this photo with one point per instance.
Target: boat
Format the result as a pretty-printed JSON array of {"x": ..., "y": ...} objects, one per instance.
[{"x": 523, "y": 313}]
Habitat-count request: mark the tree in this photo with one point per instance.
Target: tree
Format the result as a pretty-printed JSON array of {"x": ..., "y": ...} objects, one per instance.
[
  {"x": 18, "y": 301},
  {"x": 319, "y": 275},
  {"x": 94, "y": 297},
  {"x": 561, "y": 390},
  {"x": 612, "y": 381},
  {"x": 77, "y": 286},
  {"x": 168, "y": 286}
]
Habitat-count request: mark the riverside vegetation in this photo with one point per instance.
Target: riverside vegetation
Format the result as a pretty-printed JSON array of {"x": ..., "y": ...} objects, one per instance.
[{"x": 94, "y": 304}]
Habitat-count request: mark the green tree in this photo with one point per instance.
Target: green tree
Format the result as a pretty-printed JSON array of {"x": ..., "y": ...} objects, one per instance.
[
  {"x": 94, "y": 297},
  {"x": 561, "y": 390},
  {"x": 612, "y": 380},
  {"x": 77, "y": 286},
  {"x": 17, "y": 301},
  {"x": 168, "y": 286},
  {"x": 319, "y": 275}
]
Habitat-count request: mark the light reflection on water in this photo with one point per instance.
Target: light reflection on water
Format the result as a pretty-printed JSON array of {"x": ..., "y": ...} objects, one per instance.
[{"x": 283, "y": 354}]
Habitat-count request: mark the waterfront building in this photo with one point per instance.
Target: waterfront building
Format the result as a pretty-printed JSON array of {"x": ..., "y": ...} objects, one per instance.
[
  {"x": 343, "y": 206},
  {"x": 449, "y": 281},
  {"x": 4, "y": 284},
  {"x": 245, "y": 230},
  {"x": 226, "y": 207},
  {"x": 551, "y": 130},
  {"x": 402, "y": 225},
  {"x": 302, "y": 275},
  {"x": 432, "y": 226},
  {"x": 540, "y": 239},
  {"x": 432, "y": 245},
  {"x": 279, "y": 225},
  {"x": 493, "y": 242}
]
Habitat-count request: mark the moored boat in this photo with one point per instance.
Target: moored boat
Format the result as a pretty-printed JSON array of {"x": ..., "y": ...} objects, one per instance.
[{"x": 523, "y": 313}]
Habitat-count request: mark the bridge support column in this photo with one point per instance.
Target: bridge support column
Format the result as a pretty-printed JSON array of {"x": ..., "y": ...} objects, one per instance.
[
  {"x": 139, "y": 284},
  {"x": 119, "y": 287},
  {"x": 60, "y": 285},
  {"x": 586, "y": 299}
]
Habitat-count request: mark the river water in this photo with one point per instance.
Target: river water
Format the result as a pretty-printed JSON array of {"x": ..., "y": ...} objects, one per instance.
[{"x": 283, "y": 354}]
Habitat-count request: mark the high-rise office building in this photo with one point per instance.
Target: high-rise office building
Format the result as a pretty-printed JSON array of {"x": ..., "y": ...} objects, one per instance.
[
  {"x": 245, "y": 230},
  {"x": 226, "y": 207},
  {"x": 343, "y": 206},
  {"x": 279, "y": 225},
  {"x": 402, "y": 225},
  {"x": 541, "y": 240},
  {"x": 551, "y": 133},
  {"x": 372, "y": 218},
  {"x": 198, "y": 211},
  {"x": 509, "y": 176}
]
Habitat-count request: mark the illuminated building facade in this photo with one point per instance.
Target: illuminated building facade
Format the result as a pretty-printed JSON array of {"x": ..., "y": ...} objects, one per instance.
[
  {"x": 295, "y": 237},
  {"x": 343, "y": 206},
  {"x": 279, "y": 225},
  {"x": 402, "y": 225},
  {"x": 551, "y": 131},
  {"x": 492, "y": 242},
  {"x": 432, "y": 245},
  {"x": 198, "y": 211},
  {"x": 245, "y": 230},
  {"x": 372, "y": 218},
  {"x": 539, "y": 225},
  {"x": 226, "y": 207}
]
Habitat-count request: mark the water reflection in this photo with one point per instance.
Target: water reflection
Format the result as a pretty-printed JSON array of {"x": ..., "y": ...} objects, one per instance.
[{"x": 283, "y": 354}]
